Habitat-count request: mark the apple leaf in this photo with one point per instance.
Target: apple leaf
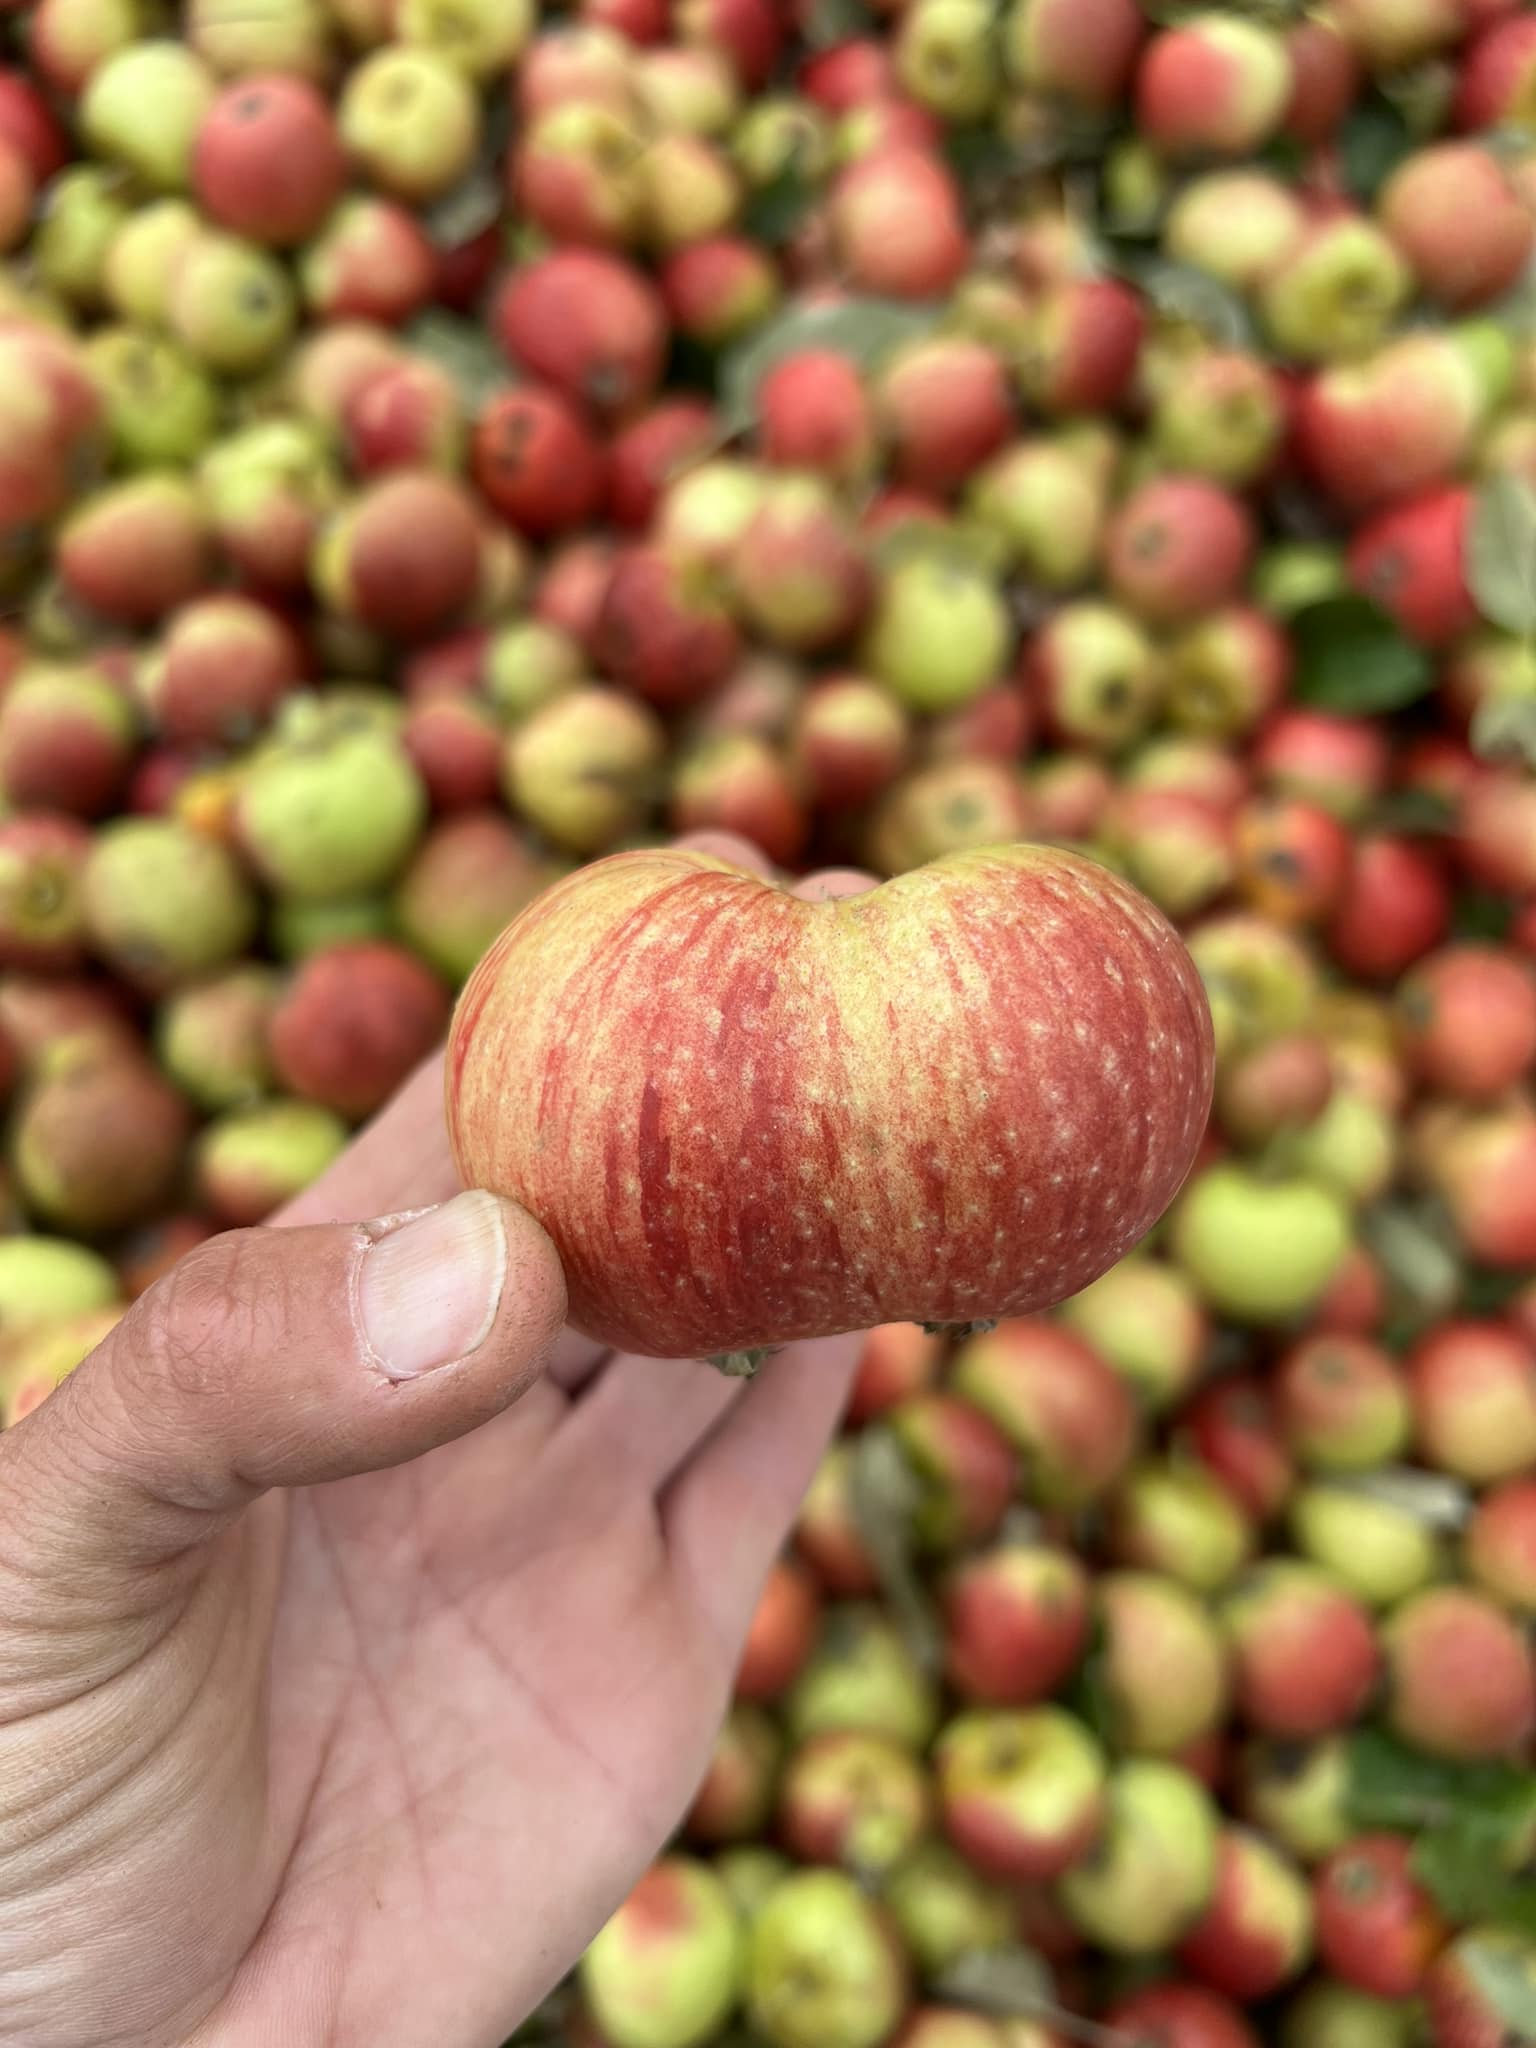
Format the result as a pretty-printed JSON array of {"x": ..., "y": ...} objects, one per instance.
[
  {"x": 828, "y": 22},
  {"x": 775, "y": 210},
  {"x": 1372, "y": 143},
  {"x": 1352, "y": 658},
  {"x": 1501, "y": 553},
  {"x": 1420, "y": 813},
  {"x": 1472, "y": 1825},
  {"x": 1423, "y": 1269},
  {"x": 1432, "y": 1498},
  {"x": 1012, "y": 1983},
  {"x": 1505, "y": 1978},
  {"x": 885, "y": 1496},
  {"x": 1184, "y": 296},
  {"x": 863, "y": 329},
  {"x": 465, "y": 351},
  {"x": 1504, "y": 729}
]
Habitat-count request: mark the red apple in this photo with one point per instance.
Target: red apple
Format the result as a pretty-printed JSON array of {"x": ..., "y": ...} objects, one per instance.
[
  {"x": 1461, "y": 1682},
  {"x": 1016, "y": 1622},
  {"x": 356, "y": 1020},
  {"x": 1377, "y": 1928},
  {"x": 1453, "y": 211},
  {"x": 587, "y": 323},
  {"x": 1042, "y": 1168}
]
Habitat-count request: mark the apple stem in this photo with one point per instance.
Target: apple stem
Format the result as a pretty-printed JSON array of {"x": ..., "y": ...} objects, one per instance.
[{"x": 960, "y": 1331}]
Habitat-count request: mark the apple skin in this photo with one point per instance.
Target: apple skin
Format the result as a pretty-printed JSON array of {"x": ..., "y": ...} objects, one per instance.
[
  {"x": 664, "y": 1971},
  {"x": 1461, "y": 1681},
  {"x": 1257, "y": 1932},
  {"x": 695, "y": 1135},
  {"x": 1377, "y": 1928}
]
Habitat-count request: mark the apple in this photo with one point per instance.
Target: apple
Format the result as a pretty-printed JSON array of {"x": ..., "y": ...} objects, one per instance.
[
  {"x": 353, "y": 1023},
  {"x": 862, "y": 1675},
  {"x": 575, "y": 60},
  {"x": 1176, "y": 2015},
  {"x": 896, "y": 223},
  {"x": 734, "y": 1801},
  {"x": 1095, "y": 675},
  {"x": 469, "y": 876},
  {"x": 1163, "y": 1663},
  {"x": 136, "y": 549},
  {"x": 1497, "y": 75},
  {"x": 783, "y": 1633},
  {"x": 798, "y": 572},
  {"x": 330, "y": 814},
  {"x": 1216, "y": 85},
  {"x": 1261, "y": 1251},
  {"x": 1223, "y": 416},
  {"x": 48, "y": 1282},
  {"x": 1468, "y": 1020},
  {"x": 1256, "y": 1934},
  {"x": 944, "y": 1908},
  {"x": 1231, "y": 1427},
  {"x": 849, "y": 740},
  {"x": 1305, "y": 1658},
  {"x": 1081, "y": 346},
  {"x": 250, "y": 1161},
  {"x": 1389, "y": 35},
  {"x": 691, "y": 192},
  {"x": 1153, "y": 1872},
  {"x": 1473, "y": 1388},
  {"x": 587, "y": 323},
  {"x": 1335, "y": 291},
  {"x": 486, "y": 42},
  {"x": 583, "y": 768},
  {"x": 962, "y": 1465},
  {"x": 410, "y": 121},
  {"x": 1328, "y": 2014},
  {"x": 665, "y": 1970},
  {"x": 1377, "y": 1928},
  {"x": 98, "y": 1138},
  {"x": 813, "y": 413},
  {"x": 946, "y": 58},
  {"x": 267, "y": 489},
  {"x": 645, "y": 456},
  {"x": 1144, "y": 1317},
  {"x": 1072, "y": 51},
  {"x": 293, "y": 37},
  {"x": 827, "y": 1283},
  {"x": 720, "y": 289},
  {"x": 1280, "y": 1085},
  {"x": 69, "y": 39},
  {"x": 370, "y": 261},
  {"x": 142, "y": 108},
  {"x": 1042, "y": 502},
  {"x": 267, "y": 162},
  {"x": 1499, "y": 1544},
  {"x": 43, "y": 858},
  {"x": 1066, "y": 1412},
  {"x": 1340, "y": 763},
  {"x": 1461, "y": 1681},
  {"x": 1463, "y": 2006},
  {"x": 211, "y": 1036},
  {"x": 945, "y": 408},
  {"x": 854, "y": 1799},
  {"x": 1395, "y": 908},
  {"x": 1236, "y": 224},
  {"x": 1021, "y": 1791},
  {"x": 663, "y": 628},
  {"x": 1016, "y": 1623},
  {"x": 222, "y": 667},
  {"x": 164, "y": 904},
  {"x": 455, "y": 744},
  {"x": 578, "y": 173},
  {"x": 1177, "y": 546},
  {"x": 683, "y": 88},
  {"x": 738, "y": 783},
  {"x": 1179, "y": 1520},
  {"x": 1176, "y": 847},
  {"x": 1401, "y": 421},
  {"x": 66, "y": 740},
  {"x": 35, "y": 1361},
  {"x": 824, "y": 1966},
  {"x": 1299, "y": 1793},
  {"x": 1342, "y": 1404}
]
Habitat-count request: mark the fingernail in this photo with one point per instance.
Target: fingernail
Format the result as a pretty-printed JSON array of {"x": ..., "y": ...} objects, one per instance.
[{"x": 429, "y": 1291}]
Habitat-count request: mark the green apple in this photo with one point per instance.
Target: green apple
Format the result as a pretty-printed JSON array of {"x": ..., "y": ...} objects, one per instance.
[
  {"x": 940, "y": 631},
  {"x": 1153, "y": 1873},
  {"x": 143, "y": 107},
  {"x": 1260, "y": 1251},
  {"x": 665, "y": 1971},
  {"x": 824, "y": 1966}
]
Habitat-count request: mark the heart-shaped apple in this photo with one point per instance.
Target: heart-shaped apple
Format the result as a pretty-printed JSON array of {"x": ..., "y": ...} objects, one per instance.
[{"x": 746, "y": 1118}]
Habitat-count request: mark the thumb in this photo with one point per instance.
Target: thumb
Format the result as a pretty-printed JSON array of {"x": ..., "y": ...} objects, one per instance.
[{"x": 276, "y": 1358}]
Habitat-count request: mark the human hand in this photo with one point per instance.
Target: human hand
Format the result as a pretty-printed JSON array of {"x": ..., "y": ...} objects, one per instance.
[{"x": 362, "y": 1635}]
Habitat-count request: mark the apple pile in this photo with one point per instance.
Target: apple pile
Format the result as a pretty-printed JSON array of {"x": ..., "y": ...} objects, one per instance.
[{"x": 445, "y": 445}]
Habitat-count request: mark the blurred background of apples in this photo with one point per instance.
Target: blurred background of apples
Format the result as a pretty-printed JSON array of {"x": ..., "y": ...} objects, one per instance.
[{"x": 442, "y": 441}]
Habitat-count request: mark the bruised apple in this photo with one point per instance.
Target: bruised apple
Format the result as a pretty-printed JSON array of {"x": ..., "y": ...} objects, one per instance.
[{"x": 745, "y": 1118}]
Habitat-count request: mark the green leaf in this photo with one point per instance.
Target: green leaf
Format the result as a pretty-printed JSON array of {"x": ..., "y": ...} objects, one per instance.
[
  {"x": 1189, "y": 297},
  {"x": 885, "y": 1495},
  {"x": 864, "y": 330},
  {"x": 829, "y": 22},
  {"x": 1393, "y": 1786},
  {"x": 1351, "y": 657},
  {"x": 1372, "y": 143},
  {"x": 775, "y": 210},
  {"x": 1420, "y": 812},
  {"x": 1504, "y": 1975},
  {"x": 1460, "y": 1867},
  {"x": 1504, "y": 729},
  {"x": 1013, "y": 1983},
  {"x": 465, "y": 351},
  {"x": 1501, "y": 553}
]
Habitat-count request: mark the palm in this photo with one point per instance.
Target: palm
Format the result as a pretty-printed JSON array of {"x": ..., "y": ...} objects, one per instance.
[{"x": 493, "y": 1679}]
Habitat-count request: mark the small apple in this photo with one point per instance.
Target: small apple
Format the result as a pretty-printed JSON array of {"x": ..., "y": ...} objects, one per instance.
[
  {"x": 1021, "y": 1791},
  {"x": 1153, "y": 1872}
]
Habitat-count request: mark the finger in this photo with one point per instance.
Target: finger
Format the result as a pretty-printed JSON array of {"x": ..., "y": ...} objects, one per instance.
[
  {"x": 828, "y": 883},
  {"x": 728, "y": 1511},
  {"x": 650, "y": 1414},
  {"x": 399, "y": 1161},
  {"x": 272, "y": 1358}
]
